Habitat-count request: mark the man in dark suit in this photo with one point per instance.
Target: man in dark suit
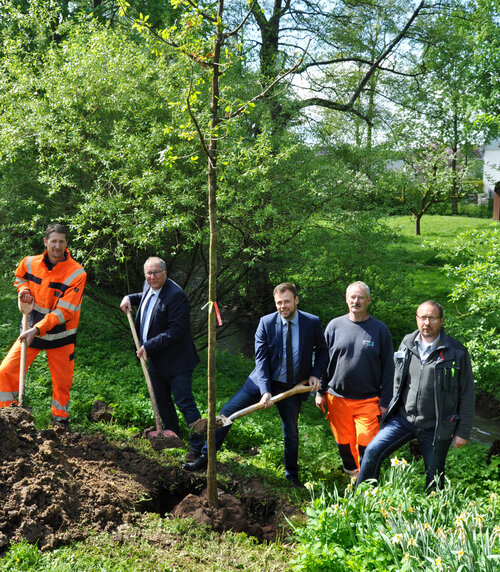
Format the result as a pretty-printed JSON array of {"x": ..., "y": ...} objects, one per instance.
[
  {"x": 289, "y": 348},
  {"x": 164, "y": 329}
]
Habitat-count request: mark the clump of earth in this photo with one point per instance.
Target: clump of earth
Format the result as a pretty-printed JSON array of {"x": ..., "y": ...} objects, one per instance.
[{"x": 56, "y": 486}]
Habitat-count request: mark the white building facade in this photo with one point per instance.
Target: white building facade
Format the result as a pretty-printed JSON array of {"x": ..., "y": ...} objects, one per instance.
[{"x": 491, "y": 175}]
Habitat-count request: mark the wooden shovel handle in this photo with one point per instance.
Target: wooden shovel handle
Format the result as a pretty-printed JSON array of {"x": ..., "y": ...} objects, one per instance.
[
  {"x": 25, "y": 308},
  {"x": 22, "y": 364},
  {"x": 299, "y": 388},
  {"x": 152, "y": 395}
]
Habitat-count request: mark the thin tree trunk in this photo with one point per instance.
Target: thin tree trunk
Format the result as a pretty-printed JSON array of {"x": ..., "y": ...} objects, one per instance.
[
  {"x": 454, "y": 166},
  {"x": 212, "y": 279}
]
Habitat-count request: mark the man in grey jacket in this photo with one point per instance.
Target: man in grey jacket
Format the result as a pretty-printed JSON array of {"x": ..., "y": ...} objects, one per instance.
[{"x": 433, "y": 398}]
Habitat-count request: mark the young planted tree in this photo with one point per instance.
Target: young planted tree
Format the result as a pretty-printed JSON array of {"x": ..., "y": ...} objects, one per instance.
[{"x": 202, "y": 38}]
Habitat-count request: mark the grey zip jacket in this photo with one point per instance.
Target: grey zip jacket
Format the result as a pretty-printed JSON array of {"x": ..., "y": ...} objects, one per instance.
[{"x": 447, "y": 376}]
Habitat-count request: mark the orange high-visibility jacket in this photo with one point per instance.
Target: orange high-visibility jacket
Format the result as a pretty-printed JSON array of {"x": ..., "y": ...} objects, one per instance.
[{"x": 58, "y": 297}]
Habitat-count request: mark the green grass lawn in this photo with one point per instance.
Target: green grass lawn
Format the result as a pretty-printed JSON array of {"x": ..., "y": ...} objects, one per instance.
[
  {"x": 422, "y": 265},
  {"x": 437, "y": 227},
  {"x": 418, "y": 249}
]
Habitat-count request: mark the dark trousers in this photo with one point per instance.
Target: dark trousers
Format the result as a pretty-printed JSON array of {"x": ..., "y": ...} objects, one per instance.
[
  {"x": 393, "y": 435},
  {"x": 288, "y": 409},
  {"x": 178, "y": 387}
]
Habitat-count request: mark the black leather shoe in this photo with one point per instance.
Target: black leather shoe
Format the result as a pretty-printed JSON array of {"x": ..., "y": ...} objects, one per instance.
[
  {"x": 192, "y": 456},
  {"x": 297, "y": 485},
  {"x": 200, "y": 464}
]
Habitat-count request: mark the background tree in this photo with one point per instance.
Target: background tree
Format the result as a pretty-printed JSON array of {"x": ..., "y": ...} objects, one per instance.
[
  {"x": 484, "y": 39},
  {"x": 95, "y": 130},
  {"x": 426, "y": 177},
  {"x": 474, "y": 264},
  {"x": 445, "y": 93}
]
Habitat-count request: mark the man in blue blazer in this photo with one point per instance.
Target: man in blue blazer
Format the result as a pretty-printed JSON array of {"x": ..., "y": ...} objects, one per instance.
[
  {"x": 164, "y": 330},
  {"x": 289, "y": 348}
]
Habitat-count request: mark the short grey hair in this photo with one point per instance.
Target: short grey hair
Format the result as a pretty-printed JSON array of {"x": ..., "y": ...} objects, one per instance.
[
  {"x": 156, "y": 260},
  {"x": 359, "y": 284}
]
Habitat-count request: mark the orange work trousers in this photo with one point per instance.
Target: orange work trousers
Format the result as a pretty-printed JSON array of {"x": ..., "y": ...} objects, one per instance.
[
  {"x": 354, "y": 423},
  {"x": 61, "y": 366}
]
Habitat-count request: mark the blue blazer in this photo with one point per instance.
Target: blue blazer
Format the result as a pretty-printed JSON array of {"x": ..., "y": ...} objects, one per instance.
[
  {"x": 169, "y": 343},
  {"x": 313, "y": 351}
]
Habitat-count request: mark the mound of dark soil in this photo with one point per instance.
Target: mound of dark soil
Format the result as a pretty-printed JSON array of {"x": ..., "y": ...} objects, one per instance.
[
  {"x": 56, "y": 485},
  {"x": 250, "y": 509}
]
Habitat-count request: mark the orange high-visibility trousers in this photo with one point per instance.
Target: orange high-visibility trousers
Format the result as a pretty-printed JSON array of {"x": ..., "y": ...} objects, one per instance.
[
  {"x": 354, "y": 423},
  {"x": 61, "y": 366}
]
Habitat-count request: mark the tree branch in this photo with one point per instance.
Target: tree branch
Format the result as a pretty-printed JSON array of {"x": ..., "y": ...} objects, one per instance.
[
  {"x": 320, "y": 102},
  {"x": 386, "y": 52},
  {"x": 240, "y": 25}
]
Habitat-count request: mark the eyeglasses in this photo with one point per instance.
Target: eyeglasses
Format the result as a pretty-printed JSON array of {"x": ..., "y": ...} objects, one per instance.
[
  {"x": 153, "y": 273},
  {"x": 430, "y": 319}
]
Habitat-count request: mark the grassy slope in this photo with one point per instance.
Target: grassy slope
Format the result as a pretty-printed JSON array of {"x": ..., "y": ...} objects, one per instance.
[
  {"x": 428, "y": 281},
  {"x": 106, "y": 368},
  {"x": 422, "y": 268}
]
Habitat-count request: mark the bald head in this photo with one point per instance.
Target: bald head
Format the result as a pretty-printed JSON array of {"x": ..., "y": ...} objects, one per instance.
[{"x": 155, "y": 271}]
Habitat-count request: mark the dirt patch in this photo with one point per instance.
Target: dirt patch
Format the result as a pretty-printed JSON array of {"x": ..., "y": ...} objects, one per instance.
[
  {"x": 101, "y": 411},
  {"x": 56, "y": 485},
  {"x": 250, "y": 508}
]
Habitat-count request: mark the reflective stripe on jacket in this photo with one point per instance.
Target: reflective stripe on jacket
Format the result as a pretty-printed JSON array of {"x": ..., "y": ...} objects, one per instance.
[{"x": 58, "y": 297}]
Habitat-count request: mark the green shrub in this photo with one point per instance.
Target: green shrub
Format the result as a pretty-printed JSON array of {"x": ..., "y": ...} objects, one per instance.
[
  {"x": 396, "y": 526},
  {"x": 473, "y": 263}
]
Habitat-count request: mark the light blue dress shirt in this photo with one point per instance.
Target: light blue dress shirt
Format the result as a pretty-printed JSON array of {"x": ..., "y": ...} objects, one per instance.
[
  {"x": 146, "y": 319},
  {"x": 295, "y": 347},
  {"x": 424, "y": 348}
]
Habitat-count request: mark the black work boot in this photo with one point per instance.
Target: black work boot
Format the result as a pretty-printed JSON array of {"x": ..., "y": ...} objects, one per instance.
[{"x": 200, "y": 464}]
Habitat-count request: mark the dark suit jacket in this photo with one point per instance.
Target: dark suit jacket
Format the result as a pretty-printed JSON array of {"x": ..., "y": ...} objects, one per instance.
[
  {"x": 313, "y": 351},
  {"x": 169, "y": 343}
]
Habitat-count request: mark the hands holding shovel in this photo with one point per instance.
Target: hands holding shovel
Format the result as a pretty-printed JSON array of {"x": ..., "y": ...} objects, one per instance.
[
  {"x": 312, "y": 384},
  {"x": 141, "y": 353},
  {"x": 266, "y": 401}
]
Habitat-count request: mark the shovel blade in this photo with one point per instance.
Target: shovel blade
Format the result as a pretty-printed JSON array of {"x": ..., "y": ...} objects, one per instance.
[{"x": 200, "y": 425}]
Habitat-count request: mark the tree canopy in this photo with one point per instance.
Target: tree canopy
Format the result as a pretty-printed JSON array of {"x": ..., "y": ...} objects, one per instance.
[{"x": 97, "y": 130}]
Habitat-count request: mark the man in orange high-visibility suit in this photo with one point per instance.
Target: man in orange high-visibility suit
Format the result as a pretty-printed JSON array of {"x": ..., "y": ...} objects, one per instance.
[{"x": 54, "y": 282}]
